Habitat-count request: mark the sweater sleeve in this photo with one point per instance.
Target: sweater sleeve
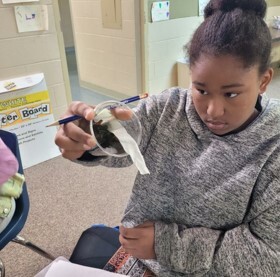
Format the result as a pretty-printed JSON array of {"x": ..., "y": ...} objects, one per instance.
[{"x": 250, "y": 249}]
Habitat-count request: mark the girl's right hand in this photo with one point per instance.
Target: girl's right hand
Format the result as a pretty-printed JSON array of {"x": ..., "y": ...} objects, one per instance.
[{"x": 73, "y": 138}]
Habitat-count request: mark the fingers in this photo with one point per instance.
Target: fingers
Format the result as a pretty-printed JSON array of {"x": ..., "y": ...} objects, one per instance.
[
  {"x": 82, "y": 109},
  {"x": 126, "y": 244},
  {"x": 74, "y": 138},
  {"x": 122, "y": 114},
  {"x": 137, "y": 232},
  {"x": 139, "y": 241},
  {"x": 78, "y": 134},
  {"x": 73, "y": 141},
  {"x": 128, "y": 233},
  {"x": 71, "y": 155}
]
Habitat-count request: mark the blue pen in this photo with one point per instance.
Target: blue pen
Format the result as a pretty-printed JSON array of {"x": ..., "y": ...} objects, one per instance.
[{"x": 76, "y": 117}]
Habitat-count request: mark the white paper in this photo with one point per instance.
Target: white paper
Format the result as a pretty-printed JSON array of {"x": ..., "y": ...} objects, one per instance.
[
  {"x": 21, "y": 83},
  {"x": 202, "y": 4},
  {"x": 25, "y": 110},
  {"x": 160, "y": 11},
  {"x": 17, "y": 1},
  {"x": 44, "y": 271},
  {"x": 64, "y": 268},
  {"x": 31, "y": 18},
  {"x": 61, "y": 267}
]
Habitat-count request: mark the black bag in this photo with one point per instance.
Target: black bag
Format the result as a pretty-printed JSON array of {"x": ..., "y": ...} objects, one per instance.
[{"x": 96, "y": 246}]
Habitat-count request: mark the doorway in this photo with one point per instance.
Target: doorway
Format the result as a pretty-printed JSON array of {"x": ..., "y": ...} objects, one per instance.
[
  {"x": 69, "y": 45},
  {"x": 67, "y": 48}
]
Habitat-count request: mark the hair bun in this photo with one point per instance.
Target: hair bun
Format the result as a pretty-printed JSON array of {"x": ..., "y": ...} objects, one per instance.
[{"x": 257, "y": 6}]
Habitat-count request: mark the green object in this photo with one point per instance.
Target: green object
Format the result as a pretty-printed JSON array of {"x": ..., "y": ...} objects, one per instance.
[
  {"x": 13, "y": 186},
  {"x": 5, "y": 206}
]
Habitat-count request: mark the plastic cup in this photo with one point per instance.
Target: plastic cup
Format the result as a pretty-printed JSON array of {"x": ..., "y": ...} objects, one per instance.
[{"x": 106, "y": 141}]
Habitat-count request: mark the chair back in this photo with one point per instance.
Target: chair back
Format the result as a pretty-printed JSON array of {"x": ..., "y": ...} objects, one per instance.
[{"x": 22, "y": 203}]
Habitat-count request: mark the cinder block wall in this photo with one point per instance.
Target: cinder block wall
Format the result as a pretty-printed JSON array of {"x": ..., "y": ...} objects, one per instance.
[
  {"x": 108, "y": 59},
  {"x": 32, "y": 52},
  {"x": 165, "y": 41}
]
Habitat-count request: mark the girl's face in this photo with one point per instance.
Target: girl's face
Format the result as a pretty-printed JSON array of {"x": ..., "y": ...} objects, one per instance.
[{"x": 225, "y": 93}]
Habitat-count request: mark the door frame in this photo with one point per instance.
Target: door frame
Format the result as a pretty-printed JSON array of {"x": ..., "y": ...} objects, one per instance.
[{"x": 61, "y": 46}]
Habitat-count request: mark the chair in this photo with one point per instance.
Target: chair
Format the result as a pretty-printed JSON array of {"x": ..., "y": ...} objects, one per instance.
[{"x": 10, "y": 233}]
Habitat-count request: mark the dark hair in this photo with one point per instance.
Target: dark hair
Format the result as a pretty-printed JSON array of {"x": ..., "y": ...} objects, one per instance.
[{"x": 233, "y": 27}]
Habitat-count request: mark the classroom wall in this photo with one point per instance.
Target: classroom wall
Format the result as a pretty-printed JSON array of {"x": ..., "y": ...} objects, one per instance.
[
  {"x": 108, "y": 60},
  {"x": 272, "y": 11},
  {"x": 164, "y": 46},
  {"x": 165, "y": 41},
  {"x": 32, "y": 52}
]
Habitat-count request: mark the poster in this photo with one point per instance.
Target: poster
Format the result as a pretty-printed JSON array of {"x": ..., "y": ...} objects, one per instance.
[
  {"x": 160, "y": 11},
  {"x": 25, "y": 110},
  {"x": 31, "y": 18}
]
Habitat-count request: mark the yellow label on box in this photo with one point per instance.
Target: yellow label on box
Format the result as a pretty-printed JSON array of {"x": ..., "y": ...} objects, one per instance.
[
  {"x": 21, "y": 108},
  {"x": 24, "y": 100}
]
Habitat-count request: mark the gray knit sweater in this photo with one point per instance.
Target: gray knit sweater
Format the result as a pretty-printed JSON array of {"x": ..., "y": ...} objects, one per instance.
[{"x": 215, "y": 200}]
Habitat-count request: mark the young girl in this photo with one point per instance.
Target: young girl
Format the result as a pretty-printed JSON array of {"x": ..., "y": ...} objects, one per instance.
[{"x": 211, "y": 205}]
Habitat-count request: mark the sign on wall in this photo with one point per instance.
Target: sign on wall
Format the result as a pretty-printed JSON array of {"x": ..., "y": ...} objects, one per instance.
[
  {"x": 25, "y": 110},
  {"x": 31, "y": 18},
  {"x": 160, "y": 11}
]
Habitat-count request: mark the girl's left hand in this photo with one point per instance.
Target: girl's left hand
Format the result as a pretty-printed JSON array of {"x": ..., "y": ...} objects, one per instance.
[{"x": 139, "y": 241}]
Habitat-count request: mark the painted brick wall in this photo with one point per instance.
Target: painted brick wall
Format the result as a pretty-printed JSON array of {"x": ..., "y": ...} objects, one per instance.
[
  {"x": 165, "y": 46},
  {"x": 107, "y": 59},
  {"x": 32, "y": 52},
  {"x": 165, "y": 41}
]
